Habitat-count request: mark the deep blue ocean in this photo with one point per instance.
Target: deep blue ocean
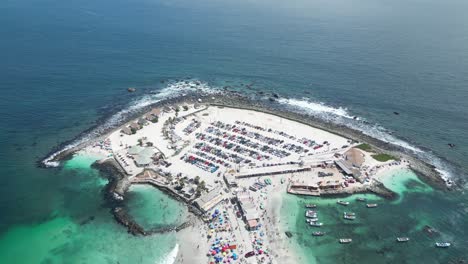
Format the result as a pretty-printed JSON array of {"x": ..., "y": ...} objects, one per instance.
[{"x": 65, "y": 65}]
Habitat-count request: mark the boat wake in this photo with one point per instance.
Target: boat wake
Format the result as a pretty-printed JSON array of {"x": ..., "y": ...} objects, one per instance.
[
  {"x": 171, "y": 257},
  {"x": 172, "y": 90}
]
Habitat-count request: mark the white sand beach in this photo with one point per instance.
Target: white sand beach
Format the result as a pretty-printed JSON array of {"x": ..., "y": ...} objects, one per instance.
[{"x": 235, "y": 165}]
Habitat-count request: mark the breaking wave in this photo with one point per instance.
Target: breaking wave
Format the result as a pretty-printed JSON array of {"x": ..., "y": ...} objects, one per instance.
[
  {"x": 341, "y": 116},
  {"x": 338, "y": 115},
  {"x": 171, "y": 257},
  {"x": 172, "y": 90},
  {"x": 317, "y": 108}
]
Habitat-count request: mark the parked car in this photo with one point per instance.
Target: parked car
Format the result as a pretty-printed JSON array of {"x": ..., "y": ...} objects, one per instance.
[{"x": 250, "y": 254}]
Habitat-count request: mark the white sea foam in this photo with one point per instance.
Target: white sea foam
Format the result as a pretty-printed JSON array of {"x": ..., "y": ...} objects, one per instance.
[
  {"x": 342, "y": 116},
  {"x": 171, "y": 257},
  {"x": 339, "y": 115},
  {"x": 172, "y": 90},
  {"x": 317, "y": 108}
]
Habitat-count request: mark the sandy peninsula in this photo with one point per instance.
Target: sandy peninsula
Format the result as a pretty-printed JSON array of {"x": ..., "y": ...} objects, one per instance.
[{"x": 231, "y": 166}]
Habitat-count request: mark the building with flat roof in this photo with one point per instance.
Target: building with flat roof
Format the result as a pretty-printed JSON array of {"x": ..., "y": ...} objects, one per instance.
[
  {"x": 344, "y": 167},
  {"x": 142, "y": 161},
  {"x": 230, "y": 180},
  {"x": 209, "y": 200},
  {"x": 143, "y": 156}
]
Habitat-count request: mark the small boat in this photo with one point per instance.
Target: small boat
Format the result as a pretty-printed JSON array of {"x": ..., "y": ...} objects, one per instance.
[
  {"x": 343, "y": 202},
  {"x": 310, "y": 220},
  {"x": 318, "y": 233},
  {"x": 360, "y": 199},
  {"x": 349, "y": 217},
  {"x": 371, "y": 205},
  {"x": 402, "y": 239},
  {"x": 316, "y": 224},
  {"x": 311, "y": 214},
  {"x": 282, "y": 180},
  {"x": 349, "y": 213},
  {"x": 345, "y": 240},
  {"x": 310, "y": 206},
  {"x": 443, "y": 244},
  {"x": 288, "y": 234}
]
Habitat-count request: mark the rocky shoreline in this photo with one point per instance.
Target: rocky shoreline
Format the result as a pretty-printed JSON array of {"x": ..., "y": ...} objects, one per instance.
[
  {"x": 114, "y": 196},
  {"x": 425, "y": 171},
  {"x": 376, "y": 188},
  {"x": 115, "y": 190}
]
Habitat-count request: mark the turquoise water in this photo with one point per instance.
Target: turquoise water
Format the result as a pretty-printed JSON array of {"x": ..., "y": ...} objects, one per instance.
[
  {"x": 375, "y": 230},
  {"x": 65, "y": 66},
  {"x": 153, "y": 209},
  {"x": 90, "y": 235}
]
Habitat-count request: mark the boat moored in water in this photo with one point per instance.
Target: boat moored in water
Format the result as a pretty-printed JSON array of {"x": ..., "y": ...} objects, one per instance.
[
  {"x": 311, "y": 214},
  {"x": 402, "y": 239},
  {"x": 443, "y": 244},
  {"x": 310, "y": 206},
  {"x": 345, "y": 240},
  {"x": 373, "y": 205},
  {"x": 343, "y": 202},
  {"x": 318, "y": 233},
  {"x": 316, "y": 224},
  {"x": 360, "y": 199},
  {"x": 349, "y": 217}
]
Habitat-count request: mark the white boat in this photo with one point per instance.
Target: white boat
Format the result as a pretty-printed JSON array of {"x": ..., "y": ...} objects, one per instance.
[
  {"x": 316, "y": 224},
  {"x": 311, "y": 214},
  {"x": 310, "y": 220},
  {"x": 402, "y": 239},
  {"x": 318, "y": 233},
  {"x": 443, "y": 244},
  {"x": 349, "y": 217},
  {"x": 345, "y": 240},
  {"x": 343, "y": 202},
  {"x": 371, "y": 205}
]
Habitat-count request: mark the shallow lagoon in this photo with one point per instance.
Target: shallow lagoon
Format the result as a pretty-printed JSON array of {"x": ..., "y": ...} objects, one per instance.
[
  {"x": 375, "y": 229},
  {"x": 90, "y": 234}
]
